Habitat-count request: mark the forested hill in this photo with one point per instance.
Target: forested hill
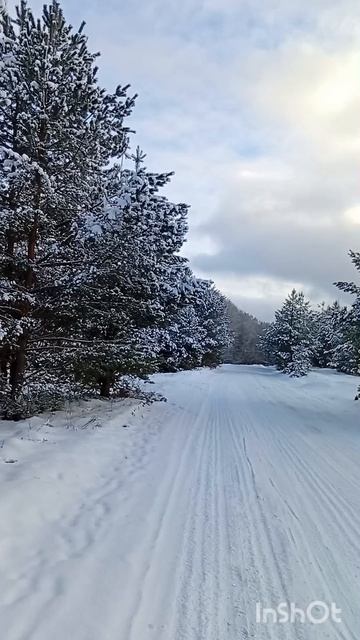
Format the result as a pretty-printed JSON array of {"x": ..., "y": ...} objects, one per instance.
[{"x": 246, "y": 331}]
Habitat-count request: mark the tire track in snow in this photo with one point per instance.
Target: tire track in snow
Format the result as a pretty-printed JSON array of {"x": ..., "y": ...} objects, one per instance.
[
  {"x": 187, "y": 597},
  {"x": 316, "y": 489},
  {"x": 245, "y": 577},
  {"x": 149, "y": 599},
  {"x": 203, "y": 600},
  {"x": 322, "y": 526},
  {"x": 274, "y": 588},
  {"x": 259, "y": 562},
  {"x": 196, "y": 603}
]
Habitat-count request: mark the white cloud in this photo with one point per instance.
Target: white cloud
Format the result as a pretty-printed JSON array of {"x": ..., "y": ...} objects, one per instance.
[{"x": 294, "y": 213}]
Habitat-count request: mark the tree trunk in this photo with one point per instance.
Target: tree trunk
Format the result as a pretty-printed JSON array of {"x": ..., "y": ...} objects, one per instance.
[
  {"x": 31, "y": 254},
  {"x": 10, "y": 237},
  {"x": 32, "y": 239},
  {"x": 4, "y": 364},
  {"x": 17, "y": 369},
  {"x": 105, "y": 386}
]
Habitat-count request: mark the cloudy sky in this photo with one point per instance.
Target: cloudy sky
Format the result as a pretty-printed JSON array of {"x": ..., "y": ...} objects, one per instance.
[{"x": 255, "y": 104}]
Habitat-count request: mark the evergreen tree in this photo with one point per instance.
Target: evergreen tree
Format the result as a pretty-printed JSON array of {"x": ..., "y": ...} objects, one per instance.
[
  {"x": 92, "y": 286},
  {"x": 136, "y": 280},
  {"x": 288, "y": 340},
  {"x": 198, "y": 334},
  {"x": 329, "y": 335},
  {"x": 212, "y": 311},
  {"x": 58, "y": 130},
  {"x": 180, "y": 342},
  {"x": 347, "y": 354}
]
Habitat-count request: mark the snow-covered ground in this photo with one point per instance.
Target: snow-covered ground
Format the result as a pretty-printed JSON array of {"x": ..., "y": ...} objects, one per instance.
[{"x": 171, "y": 522}]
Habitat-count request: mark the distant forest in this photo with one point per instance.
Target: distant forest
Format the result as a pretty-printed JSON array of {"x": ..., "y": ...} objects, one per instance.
[{"x": 246, "y": 333}]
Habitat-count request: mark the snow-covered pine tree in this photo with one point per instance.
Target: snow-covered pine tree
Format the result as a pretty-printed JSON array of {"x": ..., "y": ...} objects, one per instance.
[
  {"x": 181, "y": 342},
  {"x": 58, "y": 130},
  {"x": 330, "y": 324},
  {"x": 347, "y": 354},
  {"x": 135, "y": 281},
  {"x": 288, "y": 340},
  {"x": 198, "y": 334},
  {"x": 211, "y": 308},
  {"x": 90, "y": 271}
]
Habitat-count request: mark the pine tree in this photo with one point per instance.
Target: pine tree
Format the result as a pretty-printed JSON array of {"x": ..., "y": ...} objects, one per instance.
[
  {"x": 329, "y": 334},
  {"x": 212, "y": 311},
  {"x": 91, "y": 279},
  {"x": 198, "y": 334},
  {"x": 288, "y": 340},
  {"x": 136, "y": 280},
  {"x": 58, "y": 130},
  {"x": 347, "y": 354},
  {"x": 181, "y": 342}
]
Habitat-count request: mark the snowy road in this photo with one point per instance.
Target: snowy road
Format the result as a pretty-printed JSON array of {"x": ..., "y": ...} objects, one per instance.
[{"x": 244, "y": 487}]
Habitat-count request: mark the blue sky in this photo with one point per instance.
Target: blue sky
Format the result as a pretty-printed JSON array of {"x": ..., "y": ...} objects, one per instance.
[{"x": 255, "y": 104}]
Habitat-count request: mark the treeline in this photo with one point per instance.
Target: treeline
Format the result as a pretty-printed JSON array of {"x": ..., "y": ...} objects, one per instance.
[
  {"x": 246, "y": 333},
  {"x": 92, "y": 287},
  {"x": 301, "y": 337}
]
